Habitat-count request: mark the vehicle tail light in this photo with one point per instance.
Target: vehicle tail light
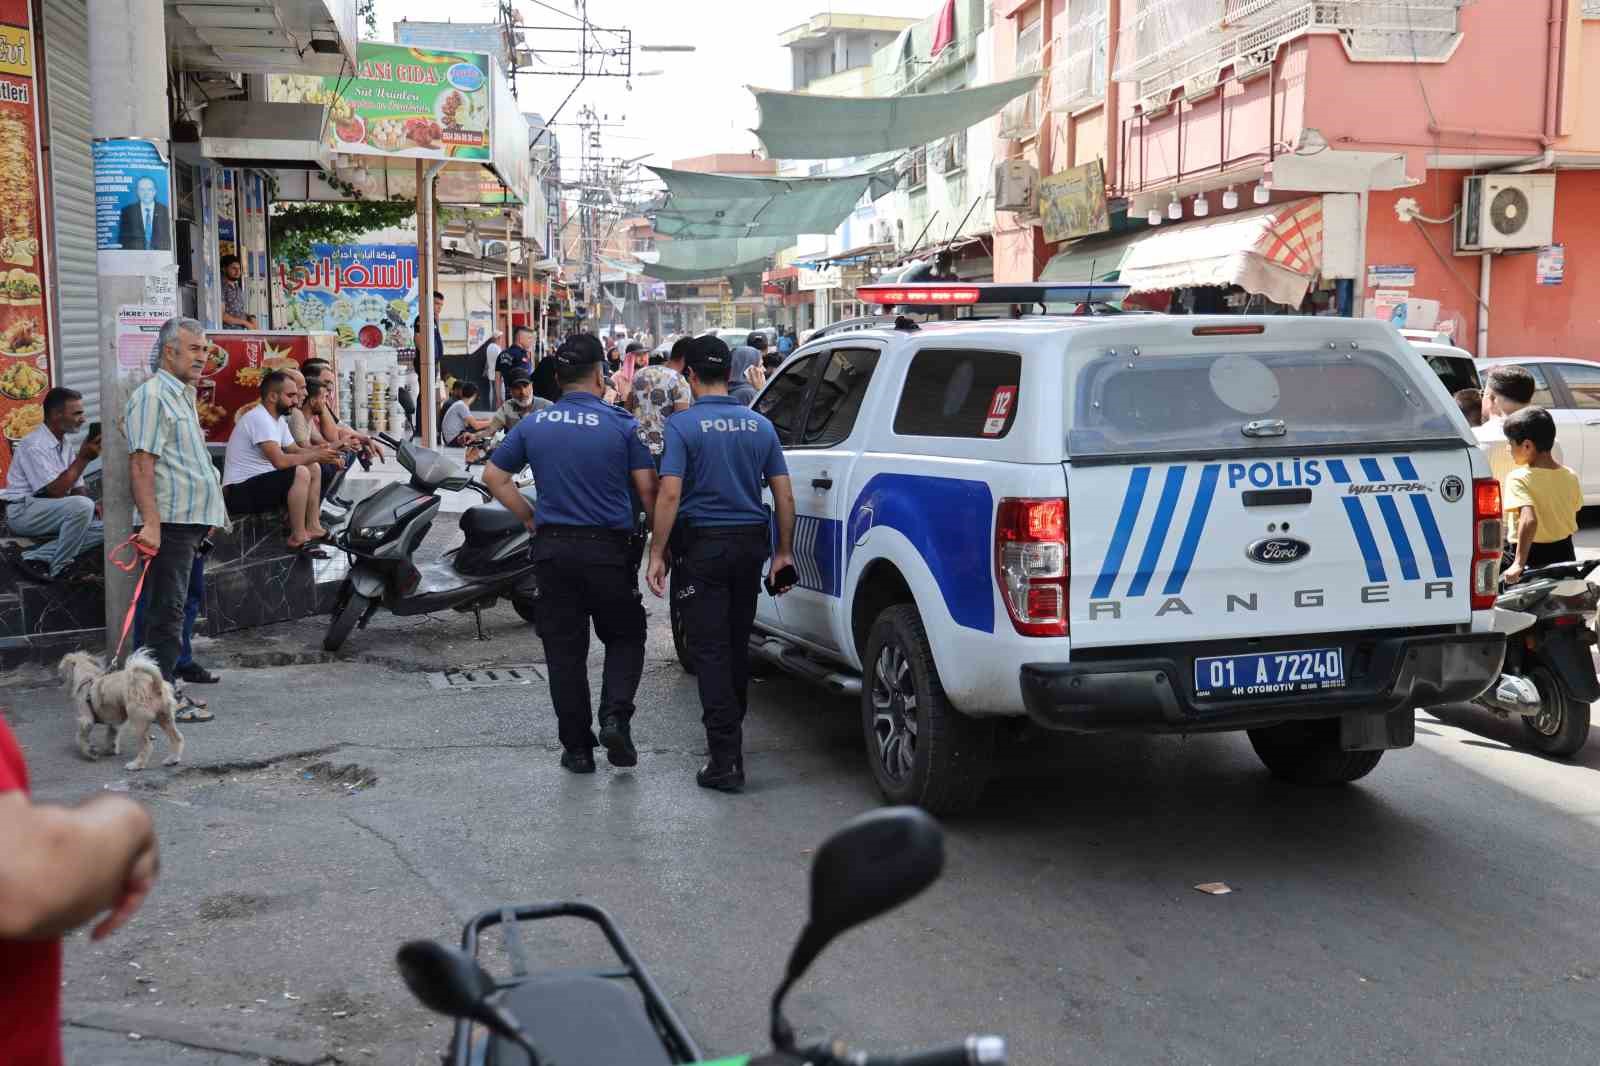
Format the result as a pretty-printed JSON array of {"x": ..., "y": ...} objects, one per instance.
[
  {"x": 1488, "y": 542},
  {"x": 1032, "y": 564}
]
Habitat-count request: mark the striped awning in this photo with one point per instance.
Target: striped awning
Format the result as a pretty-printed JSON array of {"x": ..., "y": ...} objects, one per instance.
[{"x": 1273, "y": 251}]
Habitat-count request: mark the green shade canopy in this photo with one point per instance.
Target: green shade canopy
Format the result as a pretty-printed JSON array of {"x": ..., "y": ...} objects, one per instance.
[
  {"x": 803, "y": 126},
  {"x": 715, "y": 205},
  {"x": 685, "y": 260}
]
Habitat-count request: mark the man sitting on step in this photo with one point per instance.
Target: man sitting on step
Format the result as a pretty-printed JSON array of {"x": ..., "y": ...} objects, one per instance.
[{"x": 44, "y": 494}]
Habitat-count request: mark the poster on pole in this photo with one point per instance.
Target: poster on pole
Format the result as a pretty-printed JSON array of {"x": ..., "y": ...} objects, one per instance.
[
  {"x": 25, "y": 349},
  {"x": 132, "y": 207}
]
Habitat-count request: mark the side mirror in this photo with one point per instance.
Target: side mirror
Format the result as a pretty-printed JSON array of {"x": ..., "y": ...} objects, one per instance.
[
  {"x": 451, "y": 982},
  {"x": 871, "y": 865}
]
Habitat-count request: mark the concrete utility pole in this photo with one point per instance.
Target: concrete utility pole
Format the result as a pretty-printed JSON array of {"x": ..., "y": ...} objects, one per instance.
[{"x": 127, "y": 98}]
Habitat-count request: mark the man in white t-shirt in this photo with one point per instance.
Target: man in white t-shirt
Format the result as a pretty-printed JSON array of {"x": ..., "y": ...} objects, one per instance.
[
  {"x": 458, "y": 425},
  {"x": 264, "y": 469}
]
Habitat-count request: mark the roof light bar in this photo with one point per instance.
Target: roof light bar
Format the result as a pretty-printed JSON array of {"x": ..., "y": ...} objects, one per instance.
[
  {"x": 918, "y": 294},
  {"x": 944, "y": 294}
]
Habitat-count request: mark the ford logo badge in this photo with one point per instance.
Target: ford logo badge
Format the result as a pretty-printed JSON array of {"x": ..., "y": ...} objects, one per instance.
[{"x": 1276, "y": 550}]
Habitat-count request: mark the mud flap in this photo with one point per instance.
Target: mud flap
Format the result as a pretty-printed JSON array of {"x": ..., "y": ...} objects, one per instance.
[
  {"x": 1377, "y": 732},
  {"x": 1566, "y": 651}
]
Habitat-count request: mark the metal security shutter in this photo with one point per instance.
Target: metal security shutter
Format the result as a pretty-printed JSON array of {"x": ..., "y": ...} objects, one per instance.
[{"x": 77, "y": 320}]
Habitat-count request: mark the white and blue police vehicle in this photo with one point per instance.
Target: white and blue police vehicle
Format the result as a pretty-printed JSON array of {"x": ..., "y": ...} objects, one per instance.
[{"x": 1102, "y": 522}]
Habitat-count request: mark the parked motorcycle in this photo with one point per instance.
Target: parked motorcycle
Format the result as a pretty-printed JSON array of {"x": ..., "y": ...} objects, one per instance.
[
  {"x": 872, "y": 865},
  {"x": 385, "y": 529},
  {"x": 1548, "y": 679}
]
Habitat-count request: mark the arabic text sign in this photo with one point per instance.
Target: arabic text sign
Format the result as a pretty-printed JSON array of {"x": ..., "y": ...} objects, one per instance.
[{"x": 365, "y": 293}]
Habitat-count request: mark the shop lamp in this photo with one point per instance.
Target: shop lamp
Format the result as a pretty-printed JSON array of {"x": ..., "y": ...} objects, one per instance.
[
  {"x": 1154, "y": 217},
  {"x": 1262, "y": 194},
  {"x": 1202, "y": 207},
  {"x": 1230, "y": 199},
  {"x": 1175, "y": 208}
]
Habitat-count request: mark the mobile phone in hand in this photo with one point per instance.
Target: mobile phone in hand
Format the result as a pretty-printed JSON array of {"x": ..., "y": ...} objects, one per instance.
[
  {"x": 94, "y": 431},
  {"x": 782, "y": 581}
]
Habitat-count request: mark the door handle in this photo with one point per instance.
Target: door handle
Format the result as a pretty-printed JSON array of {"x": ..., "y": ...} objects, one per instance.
[
  {"x": 1596, "y": 422},
  {"x": 823, "y": 483}
]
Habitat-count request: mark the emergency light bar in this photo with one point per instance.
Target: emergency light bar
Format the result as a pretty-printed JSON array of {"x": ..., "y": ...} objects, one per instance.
[{"x": 948, "y": 294}]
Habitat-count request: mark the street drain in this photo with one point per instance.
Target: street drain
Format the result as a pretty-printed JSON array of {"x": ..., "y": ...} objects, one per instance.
[{"x": 485, "y": 677}]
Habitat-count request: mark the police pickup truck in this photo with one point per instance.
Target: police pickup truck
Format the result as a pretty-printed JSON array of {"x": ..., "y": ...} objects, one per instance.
[{"x": 1128, "y": 522}]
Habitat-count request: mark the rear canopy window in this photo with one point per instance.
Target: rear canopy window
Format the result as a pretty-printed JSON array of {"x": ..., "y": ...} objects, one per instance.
[
  {"x": 958, "y": 393},
  {"x": 1203, "y": 402}
]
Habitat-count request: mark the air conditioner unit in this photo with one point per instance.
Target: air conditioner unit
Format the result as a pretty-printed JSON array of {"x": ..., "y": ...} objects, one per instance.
[
  {"x": 1016, "y": 186},
  {"x": 1501, "y": 211}
]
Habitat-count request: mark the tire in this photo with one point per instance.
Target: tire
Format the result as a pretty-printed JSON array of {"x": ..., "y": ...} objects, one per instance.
[
  {"x": 345, "y": 616},
  {"x": 1308, "y": 753},
  {"x": 921, "y": 749},
  {"x": 1562, "y": 728}
]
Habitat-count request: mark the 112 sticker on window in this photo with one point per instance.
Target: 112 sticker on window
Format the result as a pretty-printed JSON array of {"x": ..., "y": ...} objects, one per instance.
[{"x": 1000, "y": 407}]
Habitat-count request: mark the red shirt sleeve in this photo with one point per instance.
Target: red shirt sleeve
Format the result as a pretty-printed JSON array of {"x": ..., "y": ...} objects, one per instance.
[{"x": 13, "y": 771}]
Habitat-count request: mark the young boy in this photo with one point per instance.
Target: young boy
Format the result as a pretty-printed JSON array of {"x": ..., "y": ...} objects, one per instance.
[{"x": 1541, "y": 497}]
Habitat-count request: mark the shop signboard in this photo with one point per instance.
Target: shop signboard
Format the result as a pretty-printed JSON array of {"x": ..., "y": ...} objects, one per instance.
[
  {"x": 1073, "y": 202},
  {"x": 25, "y": 357},
  {"x": 414, "y": 103},
  {"x": 815, "y": 278},
  {"x": 365, "y": 293},
  {"x": 230, "y": 384}
]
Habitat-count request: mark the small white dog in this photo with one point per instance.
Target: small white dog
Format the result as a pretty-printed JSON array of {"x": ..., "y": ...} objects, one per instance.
[{"x": 127, "y": 702}]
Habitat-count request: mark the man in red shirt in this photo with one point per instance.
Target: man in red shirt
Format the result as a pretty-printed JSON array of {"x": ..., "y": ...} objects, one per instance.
[{"x": 59, "y": 868}]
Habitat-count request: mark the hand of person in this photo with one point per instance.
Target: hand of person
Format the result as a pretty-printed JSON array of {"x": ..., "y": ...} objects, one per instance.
[
  {"x": 89, "y": 450},
  {"x": 610, "y": 396},
  {"x": 756, "y": 375},
  {"x": 150, "y": 535},
  {"x": 330, "y": 455},
  {"x": 1513, "y": 574},
  {"x": 656, "y": 578},
  {"x": 140, "y": 879},
  {"x": 779, "y": 561}
]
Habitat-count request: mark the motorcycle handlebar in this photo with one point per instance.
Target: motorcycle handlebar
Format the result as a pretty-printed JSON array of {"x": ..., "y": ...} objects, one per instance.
[{"x": 385, "y": 438}]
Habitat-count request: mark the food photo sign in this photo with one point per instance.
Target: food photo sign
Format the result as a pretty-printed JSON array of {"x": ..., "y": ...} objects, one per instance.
[
  {"x": 404, "y": 102},
  {"x": 365, "y": 293},
  {"x": 24, "y": 322},
  {"x": 236, "y": 361}
]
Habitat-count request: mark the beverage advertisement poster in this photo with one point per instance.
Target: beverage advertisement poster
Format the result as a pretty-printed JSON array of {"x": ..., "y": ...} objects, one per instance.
[
  {"x": 236, "y": 362},
  {"x": 25, "y": 365},
  {"x": 416, "y": 103},
  {"x": 365, "y": 293}
]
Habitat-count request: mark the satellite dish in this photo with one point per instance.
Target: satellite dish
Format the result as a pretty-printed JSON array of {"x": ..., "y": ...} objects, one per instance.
[{"x": 1508, "y": 211}]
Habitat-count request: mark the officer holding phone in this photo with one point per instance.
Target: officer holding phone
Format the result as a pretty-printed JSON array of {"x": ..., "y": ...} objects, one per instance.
[{"x": 717, "y": 453}]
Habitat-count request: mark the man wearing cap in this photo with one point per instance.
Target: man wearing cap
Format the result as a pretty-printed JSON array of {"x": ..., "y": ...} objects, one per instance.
[
  {"x": 588, "y": 461},
  {"x": 717, "y": 453},
  {"x": 520, "y": 401}
]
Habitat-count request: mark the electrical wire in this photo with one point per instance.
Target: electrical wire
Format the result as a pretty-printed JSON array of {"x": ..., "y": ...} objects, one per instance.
[{"x": 1473, "y": 289}]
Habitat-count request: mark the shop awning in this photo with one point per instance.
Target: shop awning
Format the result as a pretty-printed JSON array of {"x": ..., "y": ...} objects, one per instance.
[
  {"x": 1272, "y": 251},
  {"x": 683, "y": 260},
  {"x": 715, "y": 205},
  {"x": 803, "y": 126},
  {"x": 1093, "y": 259}
]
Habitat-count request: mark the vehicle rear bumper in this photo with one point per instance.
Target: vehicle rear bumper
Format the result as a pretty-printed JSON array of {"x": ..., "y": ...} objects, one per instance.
[{"x": 1156, "y": 693}]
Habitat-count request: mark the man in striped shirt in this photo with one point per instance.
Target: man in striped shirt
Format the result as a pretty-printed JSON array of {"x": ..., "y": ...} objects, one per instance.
[{"x": 175, "y": 485}]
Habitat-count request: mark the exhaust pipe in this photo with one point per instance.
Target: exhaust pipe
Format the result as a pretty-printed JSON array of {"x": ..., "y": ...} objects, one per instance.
[
  {"x": 791, "y": 660},
  {"x": 1514, "y": 695}
]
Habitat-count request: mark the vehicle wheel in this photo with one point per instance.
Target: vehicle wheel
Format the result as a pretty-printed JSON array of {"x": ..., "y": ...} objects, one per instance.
[
  {"x": 1562, "y": 727},
  {"x": 523, "y": 607},
  {"x": 1308, "y": 753},
  {"x": 921, "y": 749},
  {"x": 680, "y": 642},
  {"x": 352, "y": 605}
]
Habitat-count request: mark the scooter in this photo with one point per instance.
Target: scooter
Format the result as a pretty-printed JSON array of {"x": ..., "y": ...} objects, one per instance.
[
  {"x": 1549, "y": 676},
  {"x": 385, "y": 529},
  {"x": 876, "y": 862}
]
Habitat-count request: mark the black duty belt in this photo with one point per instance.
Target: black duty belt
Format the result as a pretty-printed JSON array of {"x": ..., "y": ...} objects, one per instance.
[
  {"x": 729, "y": 531},
  {"x": 601, "y": 533}
]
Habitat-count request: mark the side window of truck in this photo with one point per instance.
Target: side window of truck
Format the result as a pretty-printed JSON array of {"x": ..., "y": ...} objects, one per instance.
[
  {"x": 959, "y": 393},
  {"x": 840, "y": 390},
  {"x": 785, "y": 396}
]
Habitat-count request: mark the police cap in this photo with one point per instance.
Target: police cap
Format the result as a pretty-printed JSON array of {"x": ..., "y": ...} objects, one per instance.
[
  {"x": 580, "y": 349},
  {"x": 709, "y": 352}
]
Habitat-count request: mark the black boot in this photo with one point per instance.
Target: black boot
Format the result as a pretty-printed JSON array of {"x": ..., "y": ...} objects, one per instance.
[
  {"x": 618, "y": 741},
  {"x": 578, "y": 761},
  {"x": 724, "y": 775}
]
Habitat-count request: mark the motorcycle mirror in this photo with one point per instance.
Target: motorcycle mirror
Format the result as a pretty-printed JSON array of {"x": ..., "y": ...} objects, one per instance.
[
  {"x": 871, "y": 865},
  {"x": 451, "y": 982}
]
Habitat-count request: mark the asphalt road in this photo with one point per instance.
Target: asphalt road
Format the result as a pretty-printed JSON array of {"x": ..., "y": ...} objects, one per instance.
[{"x": 1443, "y": 910}]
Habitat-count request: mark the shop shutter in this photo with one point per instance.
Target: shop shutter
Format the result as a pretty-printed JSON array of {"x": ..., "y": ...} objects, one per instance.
[{"x": 66, "y": 60}]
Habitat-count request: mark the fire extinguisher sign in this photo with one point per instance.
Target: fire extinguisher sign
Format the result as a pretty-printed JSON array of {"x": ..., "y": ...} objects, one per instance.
[{"x": 1000, "y": 409}]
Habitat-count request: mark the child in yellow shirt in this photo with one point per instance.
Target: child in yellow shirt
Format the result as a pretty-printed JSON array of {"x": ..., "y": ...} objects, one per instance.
[{"x": 1541, "y": 497}]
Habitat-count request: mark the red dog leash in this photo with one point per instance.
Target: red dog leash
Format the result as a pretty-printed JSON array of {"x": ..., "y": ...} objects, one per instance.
[{"x": 142, "y": 554}]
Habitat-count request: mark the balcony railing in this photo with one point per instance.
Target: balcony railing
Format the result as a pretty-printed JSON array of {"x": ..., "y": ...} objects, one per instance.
[{"x": 1184, "y": 44}]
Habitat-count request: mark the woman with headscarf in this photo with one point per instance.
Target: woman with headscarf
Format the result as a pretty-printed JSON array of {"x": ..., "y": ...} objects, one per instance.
[
  {"x": 634, "y": 359},
  {"x": 739, "y": 387}
]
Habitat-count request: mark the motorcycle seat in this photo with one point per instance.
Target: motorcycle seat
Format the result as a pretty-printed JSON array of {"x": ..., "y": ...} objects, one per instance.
[
  {"x": 580, "y": 1020},
  {"x": 489, "y": 520}
]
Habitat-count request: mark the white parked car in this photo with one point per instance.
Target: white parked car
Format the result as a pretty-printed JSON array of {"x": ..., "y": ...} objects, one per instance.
[
  {"x": 1570, "y": 390},
  {"x": 1129, "y": 523}
]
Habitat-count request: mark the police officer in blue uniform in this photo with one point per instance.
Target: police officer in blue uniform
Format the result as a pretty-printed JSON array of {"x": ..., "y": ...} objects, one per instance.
[
  {"x": 588, "y": 461},
  {"x": 717, "y": 453}
]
